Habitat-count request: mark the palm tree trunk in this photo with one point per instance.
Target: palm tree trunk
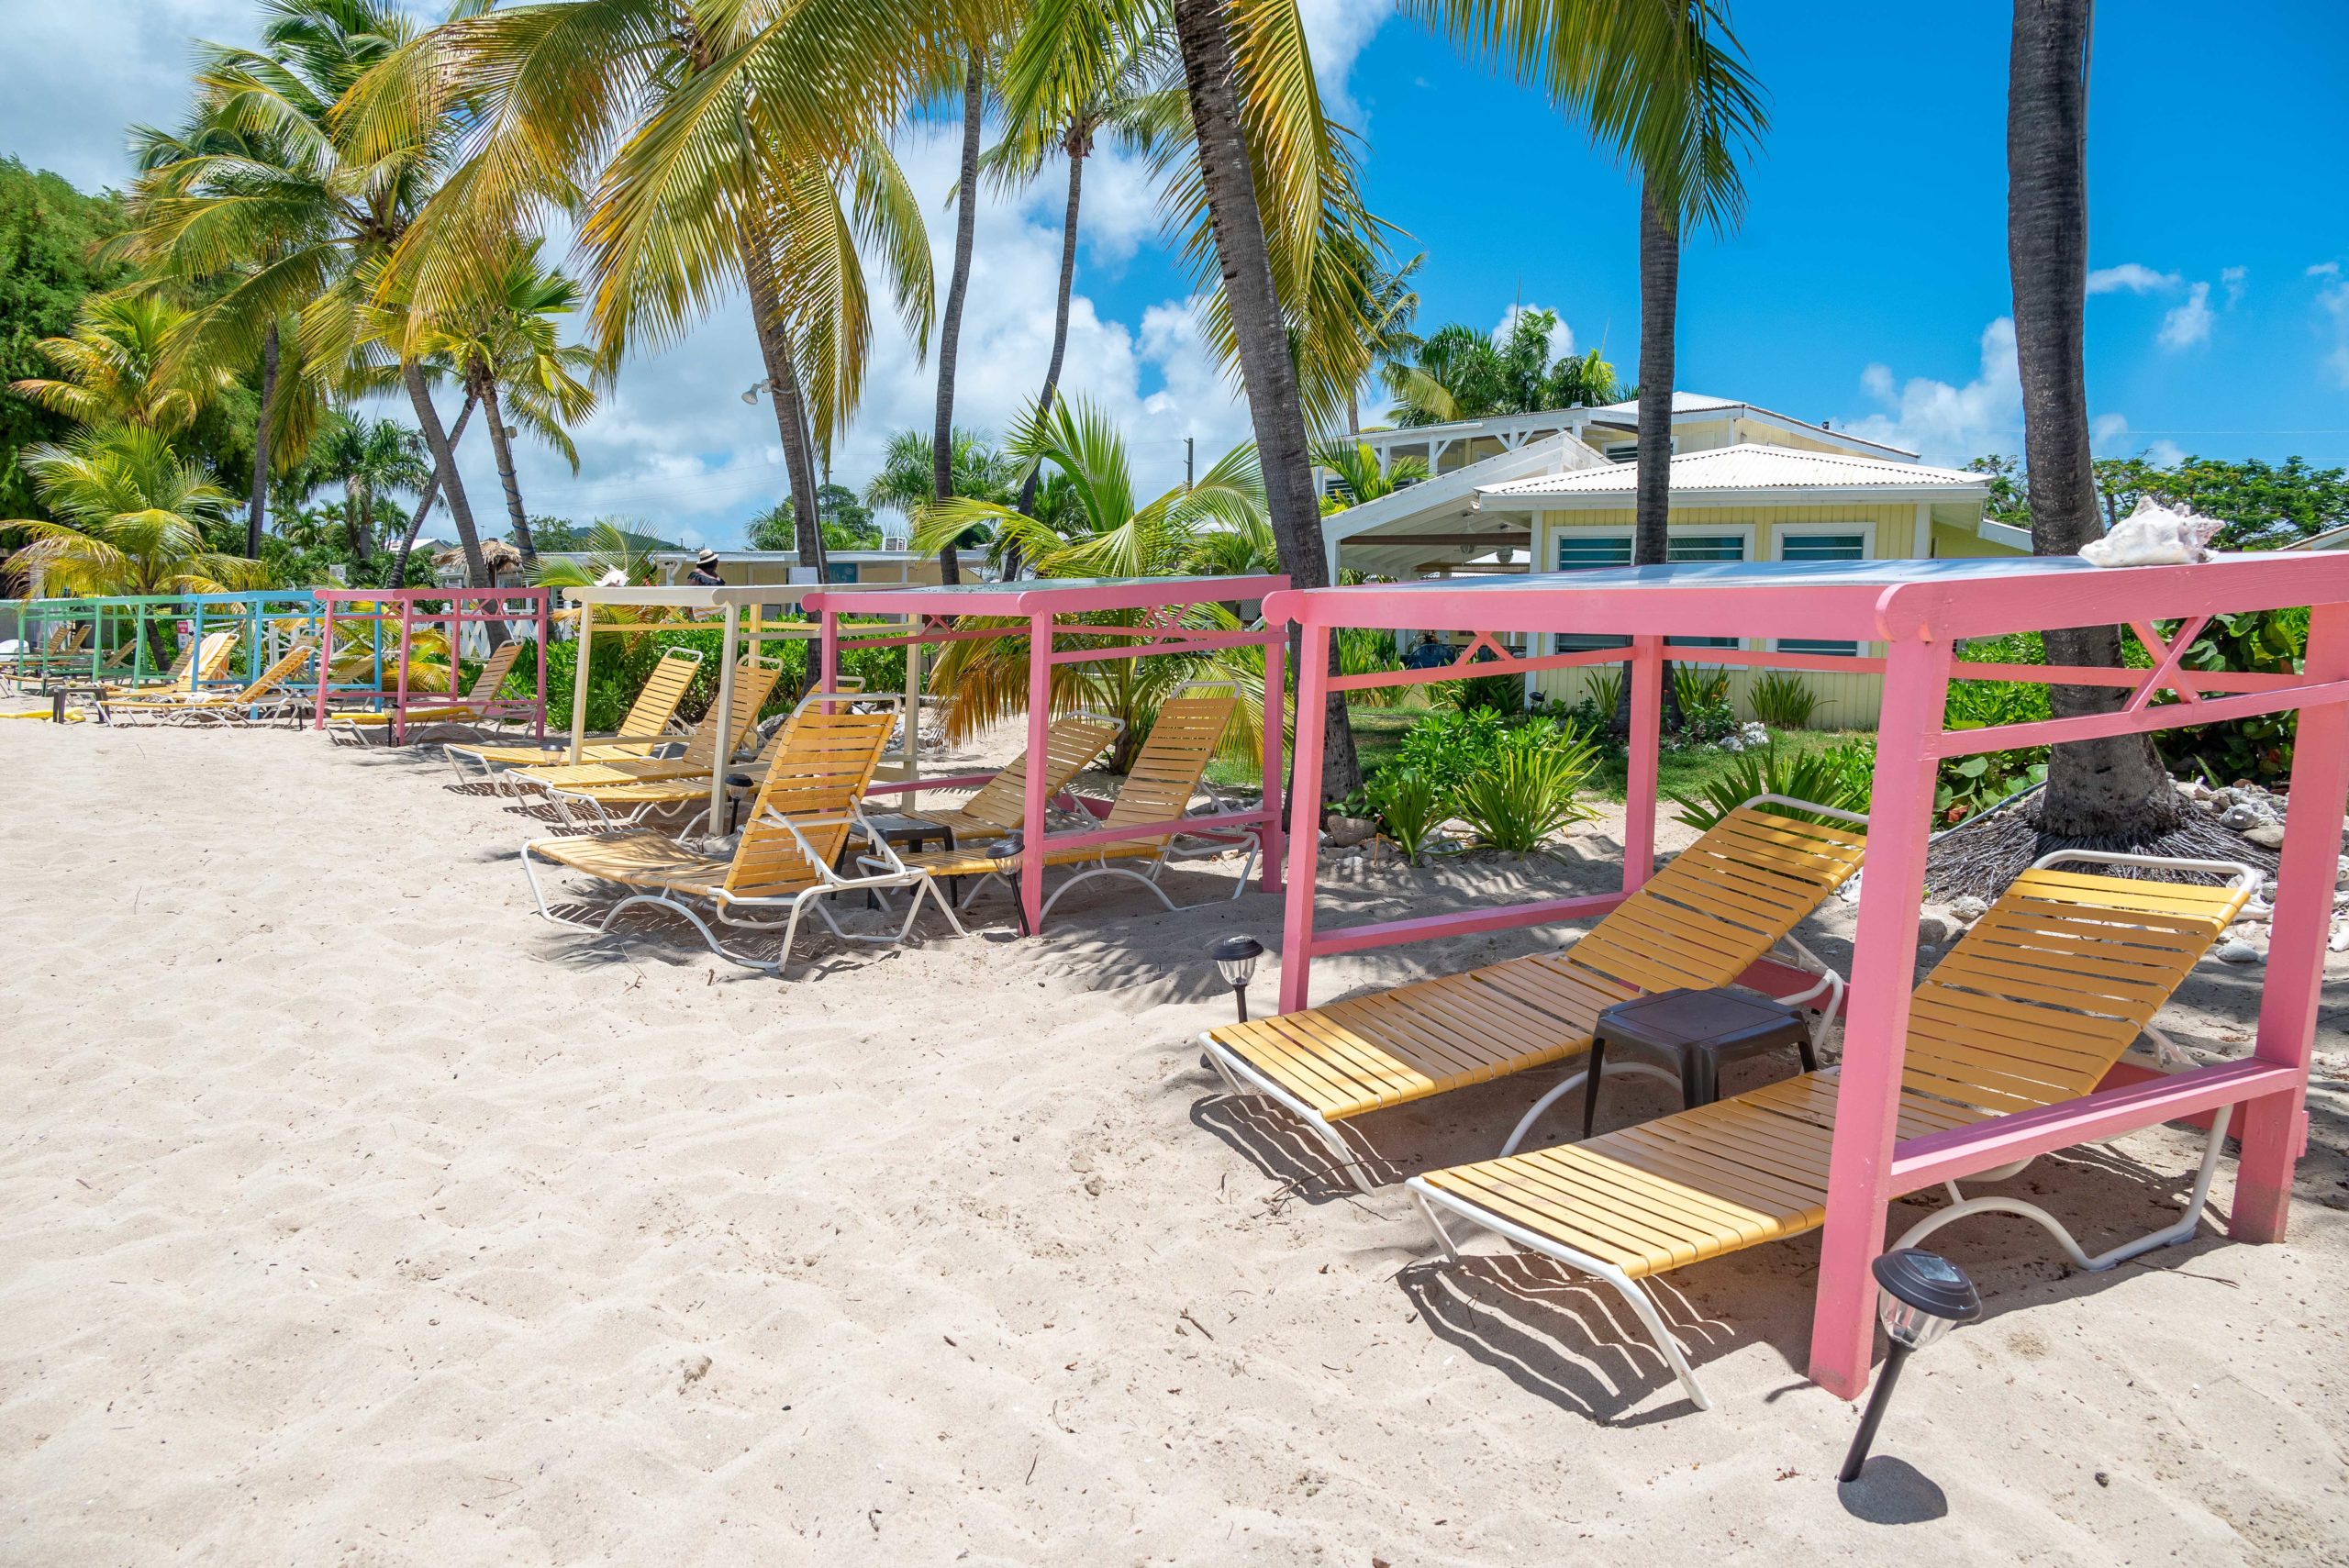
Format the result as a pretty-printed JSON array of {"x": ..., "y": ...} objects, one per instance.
[
  {"x": 950, "y": 326},
  {"x": 1078, "y": 146},
  {"x": 453, "y": 483},
  {"x": 398, "y": 578},
  {"x": 2112, "y": 788},
  {"x": 1269, "y": 374},
  {"x": 502, "y": 447},
  {"x": 257, "y": 512},
  {"x": 1659, "y": 328},
  {"x": 782, "y": 386}
]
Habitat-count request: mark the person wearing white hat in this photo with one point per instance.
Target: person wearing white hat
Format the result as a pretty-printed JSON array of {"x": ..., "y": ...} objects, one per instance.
[{"x": 705, "y": 571}]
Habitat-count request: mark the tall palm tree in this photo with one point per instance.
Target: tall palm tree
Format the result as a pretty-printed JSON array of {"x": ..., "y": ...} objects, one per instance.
[
  {"x": 950, "y": 324},
  {"x": 1393, "y": 312},
  {"x": 2113, "y": 788},
  {"x": 1217, "y": 522},
  {"x": 705, "y": 147},
  {"x": 114, "y": 369},
  {"x": 907, "y": 480},
  {"x": 131, "y": 516},
  {"x": 373, "y": 459}
]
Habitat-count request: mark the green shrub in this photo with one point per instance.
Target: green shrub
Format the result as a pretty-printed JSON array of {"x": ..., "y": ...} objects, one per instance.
[
  {"x": 1366, "y": 650},
  {"x": 1527, "y": 791},
  {"x": 1449, "y": 746},
  {"x": 1784, "y": 700},
  {"x": 1497, "y": 694},
  {"x": 1853, "y": 765},
  {"x": 1409, "y": 808},
  {"x": 1606, "y": 691},
  {"x": 1821, "y": 777},
  {"x": 2258, "y": 748},
  {"x": 1700, "y": 686},
  {"x": 1971, "y": 784}
]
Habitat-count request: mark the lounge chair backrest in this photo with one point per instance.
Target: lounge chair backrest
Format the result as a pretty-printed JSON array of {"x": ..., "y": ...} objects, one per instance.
[
  {"x": 212, "y": 662},
  {"x": 2038, "y": 1001},
  {"x": 657, "y": 699},
  {"x": 277, "y": 674},
  {"x": 752, "y": 684},
  {"x": 1073, "y": 741},
  {"x": 69, "y": 637},
  {"x": 494, "y": 670},
  {"x": 1166, "y": 772},
  {"x": 1723, "y": 902},
  {"x": 816, "y": 778}
]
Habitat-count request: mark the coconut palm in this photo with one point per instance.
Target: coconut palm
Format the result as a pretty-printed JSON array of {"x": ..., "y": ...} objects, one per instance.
[
  {"x": 906, "y": 479},
  {"x": 114, "y": 369},
  {"x": 373, "y": 459},
  {"x": 1216, "y": 521},
  {"x": 1460, "y": 372},
  {"x": 131, "y": 516},
  {"x": 2112, "y": 789},
  {"x": 504, "y": 347},
  {"x": 1392, "y": 312},
  {"x": 1356, "y": 467}
]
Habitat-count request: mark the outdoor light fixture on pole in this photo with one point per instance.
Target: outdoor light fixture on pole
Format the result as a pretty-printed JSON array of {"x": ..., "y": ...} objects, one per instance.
[
  {"x": 1925, "y": 1296},
  {"x": 1236, "y": 957}
]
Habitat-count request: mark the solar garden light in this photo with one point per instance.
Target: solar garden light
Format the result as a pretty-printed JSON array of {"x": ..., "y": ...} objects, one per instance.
[
  {"x": 1923, "y": 1296},
  {"x": 1236, "y": 956}
]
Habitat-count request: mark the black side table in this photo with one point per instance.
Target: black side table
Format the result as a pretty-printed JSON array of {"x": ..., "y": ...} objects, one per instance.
[{"x": 1695, "y": 1032}]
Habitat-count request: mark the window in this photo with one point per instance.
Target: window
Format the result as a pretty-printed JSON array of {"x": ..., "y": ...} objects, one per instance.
[
  {"x": 1580, "y": 552},
  {"x": 1820, "y": 546},
  {"x": 840, "y": 572},
  {"x": 1624, "y": 452},
  {"x": 1706, "y": 547}
]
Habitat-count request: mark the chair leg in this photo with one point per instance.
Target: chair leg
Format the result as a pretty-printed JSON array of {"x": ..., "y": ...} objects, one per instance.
[{"x": 2183, "y": 1230}]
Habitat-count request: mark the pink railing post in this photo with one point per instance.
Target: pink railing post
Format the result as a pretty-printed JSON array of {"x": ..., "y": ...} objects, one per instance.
[
  {"x": 1875, "y": 1026},
  {"x": 828, "y": 647},
  {"x": 1646, "y": 676},
  {"x": 1039, "y": 730},
  {"x": 1305, "y": 818},
  {"x": 2275, "y": 1128},
  {"x": 326, "y": 666},
  {"x": 546, "y": 646},
  {"x": 399, "y": 700},
  {"x": 1275, "y": 696}
]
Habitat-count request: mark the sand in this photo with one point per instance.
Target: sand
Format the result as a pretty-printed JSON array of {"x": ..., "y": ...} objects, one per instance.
[{"x": 352, "y": 1214}]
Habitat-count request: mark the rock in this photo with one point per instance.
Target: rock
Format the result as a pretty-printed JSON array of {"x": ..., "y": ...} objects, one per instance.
[
  {"x": 2221, "y": 798},
  {"x": 1969, "y": 908},
  {"x": 2267, "y": 835},
  {"x": 1937, "y": 927},
  {"x": 2245, "y": 815},
  {"x": 2338, "y": 940},
  {"x": 2238, "y": 951}
]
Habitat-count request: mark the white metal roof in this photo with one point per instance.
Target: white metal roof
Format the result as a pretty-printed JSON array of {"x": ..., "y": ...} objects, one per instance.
[{"x": 1749, "y": 470}]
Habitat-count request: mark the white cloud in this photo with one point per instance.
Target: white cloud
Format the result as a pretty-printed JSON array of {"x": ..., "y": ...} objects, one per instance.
[
  {"x": 2325, "y": 270},
  {"x": 1944, "y": 423},
  {"x": 2133, "y": 276},
  {"x": 2109, "y": 430},
  {"x": 1335, "y": 33},
  {"x": 2165, "y": 453},
  {"x": 2231, "y": 279},
  {"x": 1561, "y": 337},
  {"x": 2186, "y": 325},
  {"x": 2334, "y": 301}
]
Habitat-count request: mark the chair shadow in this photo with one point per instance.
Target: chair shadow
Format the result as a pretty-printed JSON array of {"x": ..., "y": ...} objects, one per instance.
[{"x": 1891, "y": 1491}]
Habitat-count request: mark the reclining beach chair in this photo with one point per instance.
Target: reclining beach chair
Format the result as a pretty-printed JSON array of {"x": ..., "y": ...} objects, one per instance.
[
  {"x": 783, "y": 862},
  {"x": 999, "y": 806},
  {"x": 31, "y": 664},
  {"x": 2032, "y": 1007},
  {"x": 643, "y": 733},
  {"x": 479, "y": 707},
  {"x": 1165, "y": 774},
  {"x": 210, "y": 656},
  {"x": 753, "y": 682},
  {"x": 1718, "y": 907},
  {"x": 271, "y": 695}
]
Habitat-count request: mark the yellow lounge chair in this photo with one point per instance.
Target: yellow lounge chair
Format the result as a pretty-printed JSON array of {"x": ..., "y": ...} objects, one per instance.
[
  {"x": 784, "y": 860},
  {"x": 753, "y": 682},
  {"x": 1158, "y": 790},
  {"x": 1721, "y": 904},
  {"x": 643, "y": 733},
  {"x": 2032, "y": 1007},
  {"x": 36, "y": 662},
  {"x": 273, "y": 694},
  {"x": 211, "y": 657},
  {"x": 480, "y": 697},
  {"x": 1001, "y": 804}
]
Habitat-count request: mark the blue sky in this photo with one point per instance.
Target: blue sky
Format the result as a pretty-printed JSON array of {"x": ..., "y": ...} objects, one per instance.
[{"x": 1867, "y": 285}]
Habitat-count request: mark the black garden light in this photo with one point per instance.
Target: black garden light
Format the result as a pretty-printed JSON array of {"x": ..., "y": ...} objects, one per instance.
[
  {"x": 1925, "y": 1296},
  {"x": 1236, "y": 958}
]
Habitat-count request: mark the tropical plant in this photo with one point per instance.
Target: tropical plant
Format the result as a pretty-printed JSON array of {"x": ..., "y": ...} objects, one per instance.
[
  {"x": 1409, "y": 810},
  {"x": 847, "y": 522},
  {"x": 130, "y": 515},
  {"x": 1449, "y": 746},
  {"x": 1365, "y": 650},
  {"x": 1700, "y": 686},
  {"x": 1782, "y": 700},
  {"x": 1112, "y": 535},
  {"x": 2112, "y": 787},
  {"x": 1359, "y": 475},
  {"x": 1837, "y": 777},
  {"x": 1529, "y": 792},
  {"x": 2258, "y": 748},
  {"x": 113, "y": 370},
  {"x": 906, "y": 480},
  {"x": 1390, "y": 314},
  {"x": 373, "y": 459},
  {"x": 1461, "y": 372},
  {"x": 1603, "y": 689},
  {"x": 1966, "y": 787},
  {"x": 52, "y": 258}
]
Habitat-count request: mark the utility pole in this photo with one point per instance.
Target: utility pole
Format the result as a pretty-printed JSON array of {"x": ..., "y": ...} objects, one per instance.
[{"x": 1190, "y": 446}]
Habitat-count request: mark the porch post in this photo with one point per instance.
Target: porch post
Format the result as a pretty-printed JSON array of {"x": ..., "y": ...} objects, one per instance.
[
  {"x": 546, "y": 647},
  {"x": 1646, "y": 676},
  {"x": 399, "y": 690},
  {"x": 1275, "y": 694},
  {"x": 1304, "y": 817},
  {"x": 325, "y": 661},
  {"x": 1039, "y": 780},
  {"x": 1875, "y": 1026},
  {"x": 722, "y": 754},
  {"x": 2275, "y": 1127}
]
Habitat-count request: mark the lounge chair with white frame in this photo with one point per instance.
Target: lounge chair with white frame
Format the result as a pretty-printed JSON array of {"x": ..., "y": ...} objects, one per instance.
[
  {"x": 478, "y": 709},
  {"x": 2031, "y": 1008},
  {"x": 271, "y": 696},
  {"x": 644, "y": 732},
  {"x": 783, "y": 862}
]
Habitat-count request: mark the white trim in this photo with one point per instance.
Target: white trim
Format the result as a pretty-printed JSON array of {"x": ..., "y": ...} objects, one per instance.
[{"x": 2003, "y": 533}]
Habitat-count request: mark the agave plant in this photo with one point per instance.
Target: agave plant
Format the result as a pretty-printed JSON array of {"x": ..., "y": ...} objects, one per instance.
[
  {"x": 1529, "y": 793},
  {"x": 1827, "y": 778},
  {"x": 1409, "y": 806}
]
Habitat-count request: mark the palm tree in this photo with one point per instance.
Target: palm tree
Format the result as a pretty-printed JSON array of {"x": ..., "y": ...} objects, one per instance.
[
  {"x": 1217, "y": 522},
  {"x": 1356, "y": 467},
  {"x": 705, "y": 146},
  {"x": 907, "y": 478},
  {"x": 1459, "y": 372},
  {"x": 2113, "y": 788},
  {"x": 1072, "y": 75},
  {"x": 373, "y": 459},
  {"x": 1392, "y": 312},
  {"x": 113, "y": 370},
  {"x": 505, "y": 350},
  {"x": 132, "y": 517},
  {"x": 950, "y": 325}
]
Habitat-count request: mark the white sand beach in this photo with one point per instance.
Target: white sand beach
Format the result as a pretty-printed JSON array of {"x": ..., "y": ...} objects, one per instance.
[{"x": 352, "y": 1215}]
